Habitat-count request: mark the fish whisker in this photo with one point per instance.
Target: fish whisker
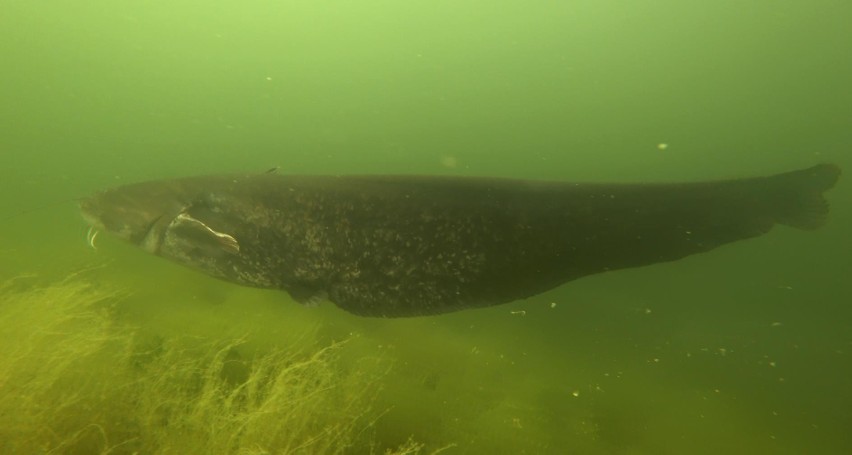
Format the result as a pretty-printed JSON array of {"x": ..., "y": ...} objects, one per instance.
[{"x": 90, "y": 237}]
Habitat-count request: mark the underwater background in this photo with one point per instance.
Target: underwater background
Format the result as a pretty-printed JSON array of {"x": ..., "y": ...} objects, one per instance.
[{"x": 746, "y": 349}]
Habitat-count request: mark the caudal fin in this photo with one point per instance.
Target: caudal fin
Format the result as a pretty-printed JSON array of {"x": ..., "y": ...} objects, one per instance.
[{"x": 798, "y": 196}]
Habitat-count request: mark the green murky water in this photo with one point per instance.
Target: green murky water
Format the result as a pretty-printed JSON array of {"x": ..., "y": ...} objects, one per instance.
[{"x": 742, "y": 350}]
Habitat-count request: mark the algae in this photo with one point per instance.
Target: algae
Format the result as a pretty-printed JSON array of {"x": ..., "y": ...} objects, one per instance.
[{"x": 76, "y": 380}]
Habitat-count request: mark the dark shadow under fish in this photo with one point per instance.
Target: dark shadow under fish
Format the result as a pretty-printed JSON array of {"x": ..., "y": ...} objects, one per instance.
[{"x": 394, "y": 246}]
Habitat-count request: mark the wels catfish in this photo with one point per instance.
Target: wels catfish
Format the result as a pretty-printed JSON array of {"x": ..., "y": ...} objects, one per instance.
[{"x": 395, "y": 246}]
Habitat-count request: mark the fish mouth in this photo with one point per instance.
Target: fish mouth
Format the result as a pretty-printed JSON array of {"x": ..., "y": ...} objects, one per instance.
[{"x": 86, "y": 212}]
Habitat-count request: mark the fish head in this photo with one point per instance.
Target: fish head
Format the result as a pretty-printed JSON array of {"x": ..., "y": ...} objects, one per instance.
[
  {"x": 187, "y": 220},
  {"x": 138, "y": 213}
]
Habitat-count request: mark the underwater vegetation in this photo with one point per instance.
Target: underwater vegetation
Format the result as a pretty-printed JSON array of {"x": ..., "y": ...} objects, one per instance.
[
  {"x": 88, "y": 368},
  {"x": 75, "y": 380}
]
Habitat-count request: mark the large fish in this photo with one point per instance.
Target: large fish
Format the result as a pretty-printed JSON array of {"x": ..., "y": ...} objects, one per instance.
[{"x": 394, "y": 246}]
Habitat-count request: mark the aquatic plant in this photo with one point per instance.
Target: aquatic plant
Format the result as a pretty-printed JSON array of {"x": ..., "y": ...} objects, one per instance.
[{"x": 74, "y": 380}]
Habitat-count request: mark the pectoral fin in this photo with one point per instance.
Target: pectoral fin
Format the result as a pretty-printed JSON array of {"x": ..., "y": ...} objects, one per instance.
[
  {"x": 307, "y": 296},
  {"x": 201, "y": 236}
]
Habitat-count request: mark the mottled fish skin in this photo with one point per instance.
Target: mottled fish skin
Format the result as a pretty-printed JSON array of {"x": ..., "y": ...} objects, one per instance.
[{"x": 395, "y": 246}]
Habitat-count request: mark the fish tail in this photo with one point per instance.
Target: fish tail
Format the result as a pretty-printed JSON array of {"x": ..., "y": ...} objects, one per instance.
[{"x": 797, "y": 197}]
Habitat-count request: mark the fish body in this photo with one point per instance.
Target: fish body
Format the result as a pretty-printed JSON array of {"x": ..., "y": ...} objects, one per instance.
[{"x": 396, "y": 246}]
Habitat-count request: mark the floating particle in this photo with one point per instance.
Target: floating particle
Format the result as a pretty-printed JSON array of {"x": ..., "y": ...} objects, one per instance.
[{"x": 449, "y": 161}]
